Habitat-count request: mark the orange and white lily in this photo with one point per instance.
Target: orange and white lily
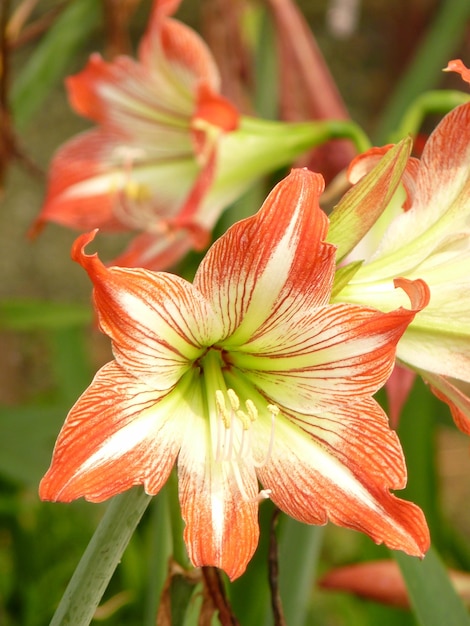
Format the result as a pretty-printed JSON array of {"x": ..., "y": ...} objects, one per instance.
[
  {"x": 429, "y": 240},
  {"x": 152, "y": 157},
  {"x": 246, "y": 376},
  {"x": 169, "y": 152}
]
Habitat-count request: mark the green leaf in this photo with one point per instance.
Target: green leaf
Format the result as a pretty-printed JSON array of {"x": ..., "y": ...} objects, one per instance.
[
  {"x": 417, "y": 433},
  {"x": 299, "y": 551},
  {"x": 101, "y": 558},
  {"x": 28, "y": 315},
  {"x": 250, "y": 595},
  {"x": 27, "y": 436},
  {"x": 432, "y": 594},
  {"x": 361, "y": 206},
  {"x": 159, "y": 543},
  {"x": 49, "y": 62}
]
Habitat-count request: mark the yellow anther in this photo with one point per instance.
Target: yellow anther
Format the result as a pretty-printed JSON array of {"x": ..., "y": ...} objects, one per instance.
[
  {"x": 273, "y": 409},
  {"x": 234, "y": 399},
  {"x": 222, "y": 408},
  {"x": 244, "y": 419},
  {"x": 252, "y": 410},
  {"x": 137, "y": 191}
]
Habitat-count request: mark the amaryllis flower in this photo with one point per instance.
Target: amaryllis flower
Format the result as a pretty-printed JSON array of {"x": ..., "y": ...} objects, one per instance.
[
  {"x": 430, "y": 240},
  {"x": 247, "y": 376},
  {"x": 169, "y": 152},
  {"x": 153, "y": 156}
]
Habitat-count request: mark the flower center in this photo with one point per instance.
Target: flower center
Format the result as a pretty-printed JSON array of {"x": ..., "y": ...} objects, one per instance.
[
  {"x": 132, "y": 199},
  {"x": 236, "y": 417},
  {"x": 233, "y": 441}
]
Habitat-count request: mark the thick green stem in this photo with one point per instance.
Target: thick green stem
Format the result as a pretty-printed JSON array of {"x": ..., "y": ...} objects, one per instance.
[
  {"x": 309, "y": 134},
  {"x": 100, "y": 559}
]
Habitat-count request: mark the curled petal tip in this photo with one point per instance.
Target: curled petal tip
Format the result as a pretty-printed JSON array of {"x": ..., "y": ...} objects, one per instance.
[
  {"x": 417, "y": 291},
  {"x": 456, "y": 65},
  {"x": 80, "y": 244}
]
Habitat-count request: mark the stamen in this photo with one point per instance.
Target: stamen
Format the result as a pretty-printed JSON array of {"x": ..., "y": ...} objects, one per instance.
[
  {"x": 133, "y": 205},
  {"x": 228, "y": 443},
  {"x": 234, "y": 435},
  {"x": 222, "y": 408},
  {"x": 234, "y": 399},
  {"x": 244, "y": 419},
  {"x": 274, "y": 410},
  {"x": 252, "y": 410},
  {"x": 264, "y": 494},
  {"x": 242, "y": 444},
  {"x": 239, "y": 481},
  {"x": 222, "y": 416}
]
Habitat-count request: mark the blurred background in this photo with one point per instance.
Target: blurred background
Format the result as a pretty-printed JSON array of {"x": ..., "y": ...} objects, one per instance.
[{"x": 382, "y": 55}]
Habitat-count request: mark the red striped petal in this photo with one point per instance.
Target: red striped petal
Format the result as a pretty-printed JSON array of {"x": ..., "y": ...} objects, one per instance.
[
  {"x": 334, "y": 476},
  {"x": 267, "y": 267},
  {"x": 181, "y": 49},
  {"x": 364, "y": 163},
  {"x": 159, "y": 323},
  {"x": 326, "y": 356},
  {"x": 221, "y": 522},
  {"x": 120, "y": 433}
]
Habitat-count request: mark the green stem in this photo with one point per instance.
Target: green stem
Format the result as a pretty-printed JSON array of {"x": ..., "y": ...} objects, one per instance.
[
  {"x": 432, "y": 102},
  {"x": 100, "y": 559},
  {"x": 314, "y": 133},
  {"x": 438, "y": 47}
]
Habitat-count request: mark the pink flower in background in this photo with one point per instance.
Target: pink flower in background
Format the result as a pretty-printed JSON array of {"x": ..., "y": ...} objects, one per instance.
[
  {"x": 243, "y": 377},
  {"x": 149, "y": 164}
]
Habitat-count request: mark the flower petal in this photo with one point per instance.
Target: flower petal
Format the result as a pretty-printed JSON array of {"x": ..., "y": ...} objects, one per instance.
[
  {"x": 127, "y": 96},
  {"x": 155, "y": 251},
  {"x": 120, "y": 433},
  {"x": 328, "y": 355},
  {"x": 361, "y": 207},
  {"x": 101, "y": 179},
  {"x": 456, "y": 393},
  {"x": 365, "y": 163},
  {"x": 159, "y": 323},
  {"x": 398, "y": 388},
  {"x": 221, "y": 522},
  {"x": 457, "y": 66},
  {"x": 175, "y": 51},
  {"x": 440, "y": 205},
  {"x": 333, "y": 473},
  {"x": 380, "y": 581},
  {"x": 273, "y": 264}
]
